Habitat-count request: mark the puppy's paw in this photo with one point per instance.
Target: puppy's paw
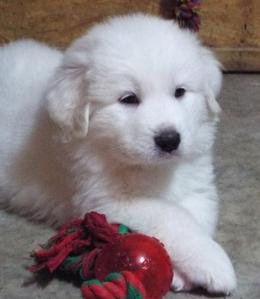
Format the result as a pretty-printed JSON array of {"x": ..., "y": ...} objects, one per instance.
[
  {"x": 220, "y": 278},
  {"x": 179, "y": 283},
  {"x": 211, "y": 269}
]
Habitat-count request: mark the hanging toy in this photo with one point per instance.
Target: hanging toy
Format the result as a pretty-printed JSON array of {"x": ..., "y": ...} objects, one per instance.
[
  {"x": 186, "y": 15},
  {"x": 111, "y": 262}
]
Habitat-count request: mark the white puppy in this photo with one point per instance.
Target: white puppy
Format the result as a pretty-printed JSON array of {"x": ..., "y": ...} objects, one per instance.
[{"x": 123, "y": 123}]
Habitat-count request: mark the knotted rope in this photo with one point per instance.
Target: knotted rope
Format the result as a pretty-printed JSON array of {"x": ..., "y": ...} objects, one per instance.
[
  {"x": 74, "y": 250},
  {"x": 116, "y": 285}
]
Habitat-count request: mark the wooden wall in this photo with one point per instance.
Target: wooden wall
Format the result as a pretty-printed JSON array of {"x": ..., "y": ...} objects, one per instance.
[{"x": 231, "y": 27}]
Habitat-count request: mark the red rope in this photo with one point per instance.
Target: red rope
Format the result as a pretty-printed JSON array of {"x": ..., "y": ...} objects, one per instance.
[
  {"x": 82, "y": 237},
  {"x": 74, "y": 250}
]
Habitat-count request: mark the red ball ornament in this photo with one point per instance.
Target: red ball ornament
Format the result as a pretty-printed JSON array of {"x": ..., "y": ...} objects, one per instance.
[{"x": 144, "y": 256}]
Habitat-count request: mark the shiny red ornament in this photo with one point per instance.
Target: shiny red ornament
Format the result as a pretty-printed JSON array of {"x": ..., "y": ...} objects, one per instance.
[{"x": 144, "y": 256}]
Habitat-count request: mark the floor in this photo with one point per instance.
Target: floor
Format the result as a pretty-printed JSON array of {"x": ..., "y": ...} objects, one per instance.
[{"x": 238, "y": 178}]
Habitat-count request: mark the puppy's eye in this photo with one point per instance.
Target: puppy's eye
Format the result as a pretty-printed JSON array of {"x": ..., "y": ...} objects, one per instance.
[
  {"x": 179, "y": 92},
  {"x": 130, "y": 99}
]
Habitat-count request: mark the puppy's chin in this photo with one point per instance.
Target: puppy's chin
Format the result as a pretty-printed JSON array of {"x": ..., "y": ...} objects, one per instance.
[{"x": 152, "y": 158}]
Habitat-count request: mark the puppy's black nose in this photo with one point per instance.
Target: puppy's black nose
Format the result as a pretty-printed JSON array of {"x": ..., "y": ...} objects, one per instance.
[{"x": 168, "y": 140}]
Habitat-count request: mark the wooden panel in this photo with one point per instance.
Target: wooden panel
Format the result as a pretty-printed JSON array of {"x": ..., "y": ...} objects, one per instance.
[
  {"x": 231, "y": 27},
  {"x": 239, "y": 59},
  {"x": 60, "y": 21}
]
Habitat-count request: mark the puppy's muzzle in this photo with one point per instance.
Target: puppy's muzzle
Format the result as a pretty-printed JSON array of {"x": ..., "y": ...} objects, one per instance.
[{"x": 167, "y": 140}]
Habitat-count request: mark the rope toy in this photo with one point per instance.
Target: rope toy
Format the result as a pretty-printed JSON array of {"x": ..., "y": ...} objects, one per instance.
[
  {"x": 110, "y": 261},
  {"x": 186, "y": 15}
]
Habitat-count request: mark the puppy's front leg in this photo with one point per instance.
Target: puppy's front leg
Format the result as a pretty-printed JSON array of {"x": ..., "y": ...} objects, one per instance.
[{"x": 197, "y": 259}]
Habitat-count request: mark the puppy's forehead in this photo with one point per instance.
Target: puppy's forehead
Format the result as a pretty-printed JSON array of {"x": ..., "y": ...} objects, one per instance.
[{"x": 147, "y": 47}]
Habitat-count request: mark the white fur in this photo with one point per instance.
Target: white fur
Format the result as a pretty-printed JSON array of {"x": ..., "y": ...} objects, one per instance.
[{"x": 67, "y": 146}]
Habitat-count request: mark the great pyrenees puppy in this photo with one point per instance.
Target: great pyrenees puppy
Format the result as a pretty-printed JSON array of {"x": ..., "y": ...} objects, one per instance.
[{"x": 122, "y": 123}]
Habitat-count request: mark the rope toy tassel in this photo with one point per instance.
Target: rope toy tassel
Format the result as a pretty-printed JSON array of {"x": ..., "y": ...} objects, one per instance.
[{"x": 119, "y": 285}]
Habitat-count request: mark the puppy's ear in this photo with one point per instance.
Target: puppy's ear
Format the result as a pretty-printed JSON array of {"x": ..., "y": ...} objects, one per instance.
[
  {"x": 213, "y": 80},
  {"x": 66, "y": 98}
]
